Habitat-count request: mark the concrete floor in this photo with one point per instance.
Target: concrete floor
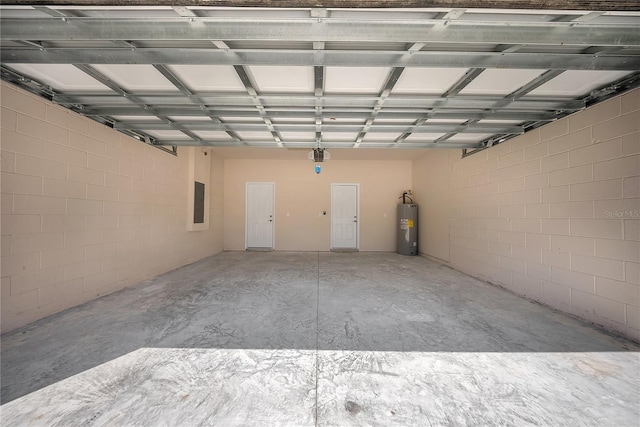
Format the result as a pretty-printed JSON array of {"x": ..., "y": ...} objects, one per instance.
[{"x": 328, "y": 339}]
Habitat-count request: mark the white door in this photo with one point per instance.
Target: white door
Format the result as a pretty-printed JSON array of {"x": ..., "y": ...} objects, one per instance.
[
  {"x": 260, "y": 214},
  {"x": 344, "y": 216}
]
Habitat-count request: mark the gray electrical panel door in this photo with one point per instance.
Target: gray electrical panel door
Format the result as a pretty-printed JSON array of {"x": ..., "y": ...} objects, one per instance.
[
  {"x": 198, "y": 203},
  {"x": 407, "y": 242}
]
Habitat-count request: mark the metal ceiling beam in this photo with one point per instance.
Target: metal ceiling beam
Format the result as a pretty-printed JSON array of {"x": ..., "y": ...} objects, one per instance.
[
  {"x": 323, "y": 30},
  {"x": 463, "y": 82},
  {"x": 534, "y": 84},
  {"x": 608, "y": 5},
  {"x": 132, "y": 98},
  {"x": 523, "y": 116},
  {"x": 166, "y": 72},
  {"x": 510, "y": 98},
  {"x": 326, "y": 144},
  {"x": 364, "y": 101},
  {"x": 458, "y": 86},
  {"x": 297, "y": 127},
  {"x": 601, "y": 46},
  {"x": 319, "y": 78},
  {"x": 337, "y": 58},
  {"x": 608, "y": 91},
  {"x": 392, "y": 79},
  {"x": 244, "y": 76}
]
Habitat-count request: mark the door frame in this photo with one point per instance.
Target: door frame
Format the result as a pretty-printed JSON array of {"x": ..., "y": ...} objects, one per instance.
[
  {"x": 246, "y": 213},
  {"x": 357, "y": 185}
]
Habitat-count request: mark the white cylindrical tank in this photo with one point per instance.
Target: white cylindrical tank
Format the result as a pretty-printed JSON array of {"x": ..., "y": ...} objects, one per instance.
[{"x": 407, "y": 242}]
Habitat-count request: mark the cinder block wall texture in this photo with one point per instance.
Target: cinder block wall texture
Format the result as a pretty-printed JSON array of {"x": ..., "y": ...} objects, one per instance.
[
  {"x": 86, "y": 210},
  {"x": 553, "y": 214}
]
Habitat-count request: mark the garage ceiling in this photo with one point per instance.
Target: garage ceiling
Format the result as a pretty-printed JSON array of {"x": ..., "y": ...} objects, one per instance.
[{"x": 329, "y": 77}]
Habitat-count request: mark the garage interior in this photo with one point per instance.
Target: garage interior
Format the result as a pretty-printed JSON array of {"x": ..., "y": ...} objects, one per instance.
[{"x": 174, "y": 187}]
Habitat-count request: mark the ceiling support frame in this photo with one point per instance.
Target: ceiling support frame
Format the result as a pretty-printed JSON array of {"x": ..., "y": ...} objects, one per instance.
[
  {"x": 462, "y": 82},
  {"x": 316, "y": 38},
  {"x": 164, "y": 70},
  {"x": 390, "y": 82},
  {"x": 512, "y": 97},
  {"x": 327, "y": 113},
  {"x": 133, "y": 98},
  {"x": 319, "y": 79},
  {"x": 304, "y": 100},
  {"x": 321, "y": 30},
  {"x": 571, "y": 5},
  {"x": 243, "y": 74},
  {"x": 300, "y": 127},
  {"x": 601, "y": 60}
]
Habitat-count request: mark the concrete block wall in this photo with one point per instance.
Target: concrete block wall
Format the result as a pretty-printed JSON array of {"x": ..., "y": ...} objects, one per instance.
[
  {"x": 86, "y": 210},
  {"x": 553, "y": 214}
]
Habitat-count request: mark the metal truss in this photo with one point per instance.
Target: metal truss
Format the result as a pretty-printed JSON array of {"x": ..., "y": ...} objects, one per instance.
[{"x": 321, "y": 38}]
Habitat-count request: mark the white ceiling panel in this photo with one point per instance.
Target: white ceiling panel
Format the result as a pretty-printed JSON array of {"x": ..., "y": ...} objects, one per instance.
[
  {"x": 577, "y": 82},
  {"x": 434, "y": 81},
  {"x": 241, "y": 119},
  {"x": 293, "y": 119},
  {"x": 136, "y": 118},
  {"x": 221, "y": 78},
  {"x": 190, "y": 118},
  {"x": 213, "y": 135},
  {"x": 500, "y": 82},
  {"x": 255, "y": 135},
  {"x": 394, "y": 121},
  {"x": 343, "y": 121},
  {"x": 339, "y": 136},
  {"x": 168, "y": 134},
  {"x": 136, "y": 77},
  {"x": 423, "y": 136},
  {"x": 283, "y": 79},
  {"x": 381, "y": 136},
  {"x": 62, "y": 77},
  {"x": 292, "y": 137},
  {"x": 355, "y": 79},
  {"x": 445, "y": 121}
]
